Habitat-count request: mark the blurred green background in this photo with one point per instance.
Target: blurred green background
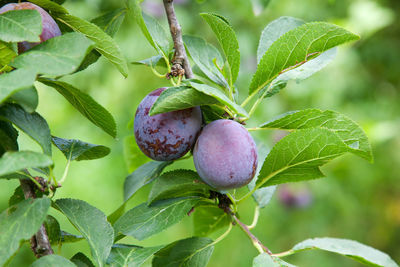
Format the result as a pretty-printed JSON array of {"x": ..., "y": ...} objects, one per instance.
[{"x": 357, "y": 200}]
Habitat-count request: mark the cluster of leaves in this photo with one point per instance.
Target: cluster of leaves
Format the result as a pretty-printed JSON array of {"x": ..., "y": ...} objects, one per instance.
[{"x": 289, "y": 49}]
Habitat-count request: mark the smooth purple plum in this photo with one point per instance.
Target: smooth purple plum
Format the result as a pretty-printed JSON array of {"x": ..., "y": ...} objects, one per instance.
[
  {"x": 50, "y": 28},
  {"x": 166, "y": 136},
  {"x": 225, "y": 155}
]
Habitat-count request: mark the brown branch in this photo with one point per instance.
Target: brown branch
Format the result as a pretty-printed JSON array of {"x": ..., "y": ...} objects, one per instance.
[
  {"x": 40, "y": 242},
  {"x": 180, "y": 63},
  {"x": 253, "y": 238}
]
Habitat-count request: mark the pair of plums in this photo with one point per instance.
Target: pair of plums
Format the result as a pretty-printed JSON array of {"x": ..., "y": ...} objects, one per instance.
[
  {"x": 224, "y": 153},
  {"x": 50, "y": 28}
]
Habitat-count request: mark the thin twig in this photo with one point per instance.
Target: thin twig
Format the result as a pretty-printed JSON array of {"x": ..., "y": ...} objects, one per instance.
[
  {"x": 256, "y": 242},
  {"x": 180, "y": 63},
  {"x": 40, "y": 242}
]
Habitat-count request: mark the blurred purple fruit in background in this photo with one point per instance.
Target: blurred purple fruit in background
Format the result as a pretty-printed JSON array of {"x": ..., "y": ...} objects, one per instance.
[{"x": 293, "y": 196}]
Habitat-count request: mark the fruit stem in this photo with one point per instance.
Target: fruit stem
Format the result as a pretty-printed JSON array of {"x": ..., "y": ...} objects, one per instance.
[
  {"x": 255, "y": 105},
  {"x": 233, "y": 200},
  {"x": 284, "y": 254},
  {"x": 255, "y": 218},
  {"x": 64, "y": 177},
  {"x": 256, "y": 242},
  {"x": 256, "y": 129},
  {"x": 159, "y": 75},
  {"x": 247, "y": 195},
  {"x": 65, "y": 174},
  {"x": 51, "y": 175},
  {"x": 244, "y": 103},
  {"x": 221, "y": 237}
]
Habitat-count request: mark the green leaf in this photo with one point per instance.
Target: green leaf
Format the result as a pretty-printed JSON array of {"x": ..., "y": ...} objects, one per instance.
[
  {"x": 259, "y": 6},
  {"x": 273, "y": 31},
  {"x": 221, "y": 97},
  {"x": 143, "y": 221},
  {"x": 15, "y": 161},
  {"x": 133, "y": 156},
  {"x": 157, "y": 32},
  {"x": 52, "y": 260},
  {"x": 50, "y": 5},
  {"x": 152, "y": 30},
  {"x": 227, "y": 38},
  {"x": 93, "y": 225},
  {"x": 295, "y": 47},
  {"x": 12, "y": 82},
  {"x": 203, "y": 55},
  {"x": 8, "y": 137},
  {"x": 53, "y": 229},
  {"x": 263, "y": 260},
  {"x": 104, "y": 43},
  {"x": 31, "y": 123},
  {"x": 152, "y": 62},
  {"x": 110, "y": 23},
  {"x": 21, "y": 224},
  {"x": 209, "y": 218},
  {"x": 28, "y": 99},
  {"x": 78, "y": 150},
  {"x": 17, "y": 197},
  {"x": 70, "y": 238},
  {"x": 190, "y": 252},
  {"x": 20, "y": 25},
  {"x": 301, "y": 72},
  {"x": 262, "y": 196},
  {"x": 57, "y": 56},
  {"x": 113, "y": 217},
  {"x": 6, "y": 54},
  {"x": 297, "y": 156},
  {"x": 283, "y": 263},
  {"x": 178, "y": 98},
  {"x": 350, "y": 248},
  {"x": 212, "y": 113},
  {"x": 348, "y": 131},
  {"x": 81, "y": 260},
  {"x": 178, "y": 183},
  {"x": 131, "y": 256},
  {"x": 143, "y": 175},
  {"x": 86, "y": 105}
]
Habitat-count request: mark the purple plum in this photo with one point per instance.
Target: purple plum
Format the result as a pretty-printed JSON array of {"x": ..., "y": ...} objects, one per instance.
[
  {"x": 225, "y": 155},
  {"x": 166, "y": 136},
  {"x": 50, "y": 28}
]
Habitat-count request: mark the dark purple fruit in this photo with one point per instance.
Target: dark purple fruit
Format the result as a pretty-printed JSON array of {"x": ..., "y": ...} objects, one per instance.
[
  {"x": 225, "y": 155},
  {"x": 166, "y": 136},
  {"x": 50, "y": 28}
]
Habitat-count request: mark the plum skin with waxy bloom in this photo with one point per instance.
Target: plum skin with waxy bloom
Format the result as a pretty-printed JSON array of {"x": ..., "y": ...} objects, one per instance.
[
  {"x": 50, "y": 28},
  {"x": 225, "y": 155},
  {"x": 166, "y": 136}
]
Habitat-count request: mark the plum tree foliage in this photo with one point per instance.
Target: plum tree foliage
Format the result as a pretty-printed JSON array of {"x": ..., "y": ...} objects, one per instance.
[
  {"x": 50, "y": 28},
  {"x": 198, "y": 113}
]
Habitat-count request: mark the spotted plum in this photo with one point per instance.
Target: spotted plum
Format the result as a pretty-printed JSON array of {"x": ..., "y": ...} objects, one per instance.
[
  {"x": 166, "y": 136},
  {"x": 225, "y": 155},
  {"x": 50, "y": 28}
]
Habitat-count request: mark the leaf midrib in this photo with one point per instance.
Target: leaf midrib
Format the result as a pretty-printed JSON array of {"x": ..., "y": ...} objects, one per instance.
[{"x": 19, "y": 24}]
